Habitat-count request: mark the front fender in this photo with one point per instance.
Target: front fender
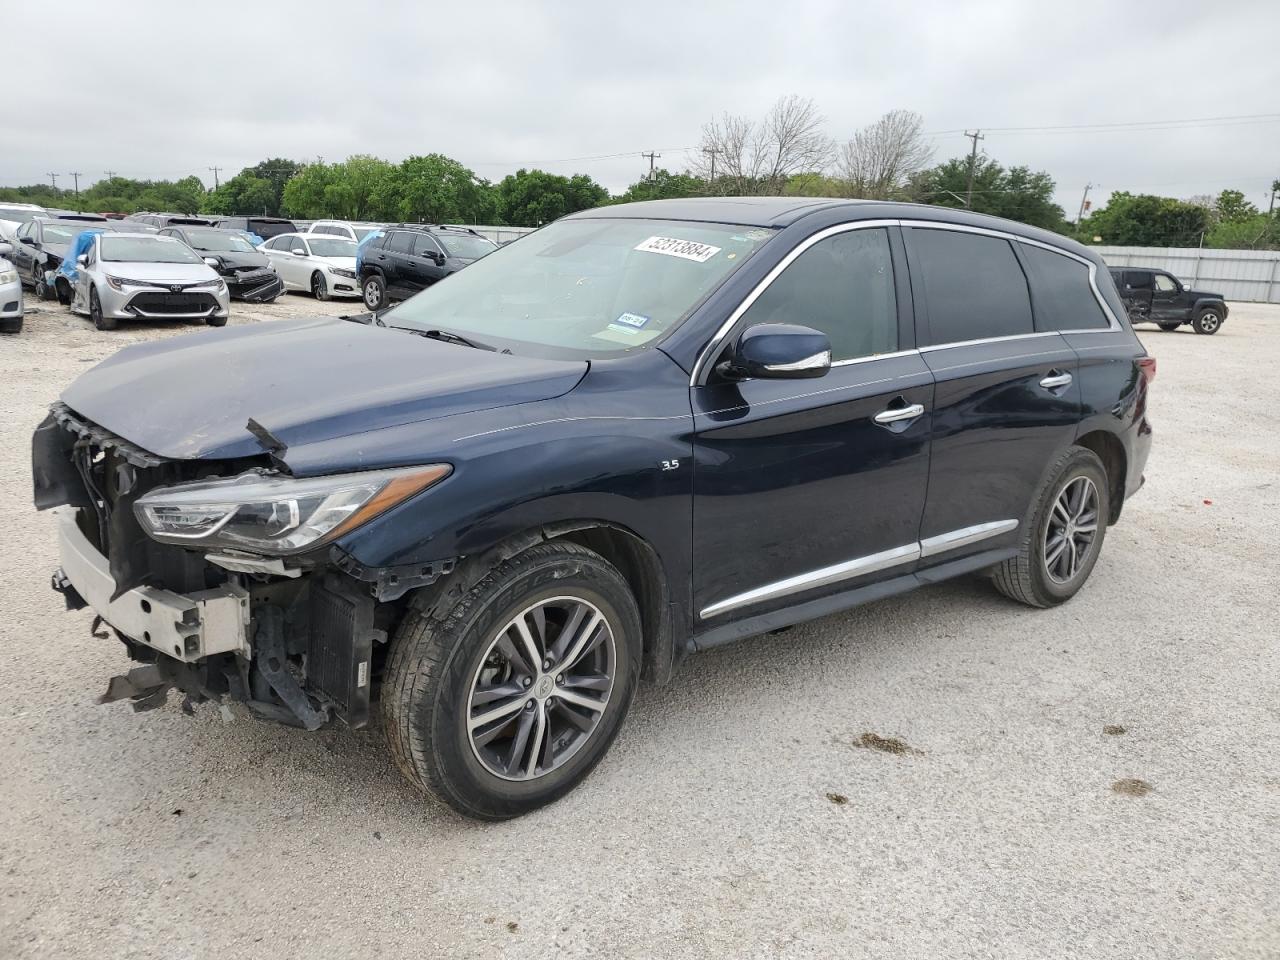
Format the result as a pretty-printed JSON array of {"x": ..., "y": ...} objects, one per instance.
[{"x": 1214, "y": 302}]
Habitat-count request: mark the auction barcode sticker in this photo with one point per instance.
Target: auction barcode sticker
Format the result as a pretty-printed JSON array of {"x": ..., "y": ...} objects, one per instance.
[{"x": 685, "y": 249}]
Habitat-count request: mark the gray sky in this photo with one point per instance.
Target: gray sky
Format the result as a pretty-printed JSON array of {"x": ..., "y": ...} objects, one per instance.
[{"x": 166, "y": 89}]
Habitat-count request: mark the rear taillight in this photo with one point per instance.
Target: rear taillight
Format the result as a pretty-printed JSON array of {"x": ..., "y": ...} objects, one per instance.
[{"x": 1147, "y": 367}]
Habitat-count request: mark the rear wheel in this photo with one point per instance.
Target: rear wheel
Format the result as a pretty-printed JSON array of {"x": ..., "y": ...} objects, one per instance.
[
  {"x": 100, "y": 321},
  {"x": 1208, "y": 321},
  {"x": 503, "y": 699},
  {"x": 1061, "y": 541},
  {"x": 375, "y": 292},
  {"x": 319, "y": 288},
  {"x": 1168, "y": 327}
]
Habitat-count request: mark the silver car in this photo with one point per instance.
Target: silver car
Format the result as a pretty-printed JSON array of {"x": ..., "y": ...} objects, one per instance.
[
  {"x": 10, "y": 293},
  {"x": 131, "y": 276}
]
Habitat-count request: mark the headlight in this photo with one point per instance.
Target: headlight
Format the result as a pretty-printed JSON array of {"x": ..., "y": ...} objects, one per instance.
[
  {"x": 8, "y": 276},
  {"x": 274, "y": 514},
  {"x": 119, "y": 283},
  {"x": 217, "y": 285},
  {"x": 337, "y": 271}
]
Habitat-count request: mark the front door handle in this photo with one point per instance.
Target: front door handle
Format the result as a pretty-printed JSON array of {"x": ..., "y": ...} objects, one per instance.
[
  {"x": 898, "y": 414},
  {"x": 1056, "y": 379}
]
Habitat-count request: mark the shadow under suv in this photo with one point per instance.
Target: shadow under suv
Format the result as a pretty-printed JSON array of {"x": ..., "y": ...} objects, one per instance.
[{"x": 483, "y": 515}]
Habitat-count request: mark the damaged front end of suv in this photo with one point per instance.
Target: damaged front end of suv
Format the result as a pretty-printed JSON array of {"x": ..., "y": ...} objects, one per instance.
[{"x": 221, "y": 577}]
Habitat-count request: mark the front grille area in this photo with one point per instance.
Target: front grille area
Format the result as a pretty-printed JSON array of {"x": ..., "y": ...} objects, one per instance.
[{"x": 162, "y": 303}]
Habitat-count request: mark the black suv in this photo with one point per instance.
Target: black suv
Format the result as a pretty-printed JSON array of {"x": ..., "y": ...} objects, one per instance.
[
  {"x": 482, "y": 515},
  {"x": 408, "y": 257},
  {"x": 1155, "y": 296}
]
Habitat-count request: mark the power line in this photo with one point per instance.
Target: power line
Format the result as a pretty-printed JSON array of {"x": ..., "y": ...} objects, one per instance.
[{"x": 1124, "y": 125}]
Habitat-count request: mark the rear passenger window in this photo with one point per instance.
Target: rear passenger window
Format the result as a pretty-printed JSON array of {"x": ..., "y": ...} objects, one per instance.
[
  {"x": 400, "y": 242},
  {"x": 843, "y": 286},
  {"x": 1063, "y": 295},
  {"x": 974, "y": 285}
]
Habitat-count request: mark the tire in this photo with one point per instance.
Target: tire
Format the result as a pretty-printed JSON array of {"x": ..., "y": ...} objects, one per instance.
[
  {"x": 444, "y": 656},
  {"x": 1038, "y": 577},
  {"x": 1208, "y": 321},
  {"x": 215, "y": 321},
  {"x": 374, "y": 290},
  {"x": 39, "y": 289},
  {"x": 1169, "y": 327},
  {"x": 95, "y": 312},
  {"x": 319, "y": 288}
]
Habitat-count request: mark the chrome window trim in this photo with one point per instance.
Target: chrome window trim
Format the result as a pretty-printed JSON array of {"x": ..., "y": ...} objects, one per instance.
[
  {"x": 876, "y": 356},
  {"x": 767, "y": 281},
  {"x": 786, "y": 261},
  {"x": 860, "y": 566}
]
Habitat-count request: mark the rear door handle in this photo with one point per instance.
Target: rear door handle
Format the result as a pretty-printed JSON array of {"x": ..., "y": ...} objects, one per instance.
[
  {"x": 1055, "y": 380},
  {"x": 898, "y": 414}
]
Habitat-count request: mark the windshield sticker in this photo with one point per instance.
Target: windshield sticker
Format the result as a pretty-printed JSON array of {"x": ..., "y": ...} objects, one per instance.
[
  {"x": 631, "y": 321},
  {"x": 684, "y": 249}
]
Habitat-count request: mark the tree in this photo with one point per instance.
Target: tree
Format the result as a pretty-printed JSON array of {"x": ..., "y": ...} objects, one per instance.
[
  {"x": 1144, "y": 220},
  {"x": 350, "y": 190},
  {"x": 752, "y": 158},
  {"x": 1232, "y": 207},
  {"x": 880, "y": 158},
  {"x": 435, "y": 189},
  {"x": 529, "y": 198},
  {"x": 243, "y": 193},
  {"x": 1018, "y": 193},
  {"x": 663, "y": 185},
  {"x": 277, "y": 171}
]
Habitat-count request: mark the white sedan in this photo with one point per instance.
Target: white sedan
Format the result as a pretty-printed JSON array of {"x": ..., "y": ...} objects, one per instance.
[{"x": 325, "y": 266}]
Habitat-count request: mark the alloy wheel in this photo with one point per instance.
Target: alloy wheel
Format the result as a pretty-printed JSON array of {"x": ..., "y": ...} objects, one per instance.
[
  {"x": 1071, "y": 530},
  {"x": 1209, "y": 322},
  {"x": 541, "y": 688}
]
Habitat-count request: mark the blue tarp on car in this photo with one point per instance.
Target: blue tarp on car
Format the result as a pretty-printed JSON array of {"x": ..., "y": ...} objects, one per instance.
[
  {"x": 70, "y": 267},
  {"x": 360, "y": 247}
]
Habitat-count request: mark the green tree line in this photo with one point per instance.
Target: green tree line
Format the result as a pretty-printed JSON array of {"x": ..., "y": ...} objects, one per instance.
[{"x": 436, "y": 188}]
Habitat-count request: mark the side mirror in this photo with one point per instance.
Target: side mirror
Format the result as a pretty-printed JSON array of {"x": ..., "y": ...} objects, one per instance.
[
  {"x": 778, "y": 351},
  {"x": 298, "y": 252},
  {"x": 83, "y": 259},
  {"x": 28, "y": 240}
]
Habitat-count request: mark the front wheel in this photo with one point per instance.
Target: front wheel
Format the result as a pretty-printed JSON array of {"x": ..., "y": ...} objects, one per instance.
[
  {"x": 319, "y": 288},
  {"x": 1061, "y": 541},
  {"x": 502, "y": 700},
  {"x": 375, "y": 292},
  {"x": 100, "y": 320},
  {"x": 38, "y": 285},
  {"x": 1208, "y": 321}
]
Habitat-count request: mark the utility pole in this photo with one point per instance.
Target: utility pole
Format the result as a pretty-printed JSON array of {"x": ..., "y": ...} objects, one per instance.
[
  {"x": 1275, "y": 186},
  {"x": 111, "y": 174},
  {"x": 973, "y": 164},
  {"x": 53, "y": 178},
  {"x": 76, "y": 174},
  {"x": 1084, "y": 202},
  {"x": 652, "y": 157},
  {"x": 711, "y": 152},
  {"x": 215, "y": 171}
]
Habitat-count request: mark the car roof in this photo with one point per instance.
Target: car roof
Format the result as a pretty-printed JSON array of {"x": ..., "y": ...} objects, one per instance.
[{"x": 781, "y": 212}]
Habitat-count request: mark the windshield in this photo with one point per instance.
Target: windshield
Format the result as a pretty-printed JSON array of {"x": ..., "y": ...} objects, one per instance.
[
  {"x": 362, "y": 232},
  {"x": 332, "y": 247},
  {"x": 18, "y": 214},
  {"x": 579, "y": 288},
  {"x": 465, "y": 246},
  {"x": 146, "y": 250},
  {"x": 267, "y": 229},
  {"x": 66, "y": 232},
  {"x": 218, "y": 241}
]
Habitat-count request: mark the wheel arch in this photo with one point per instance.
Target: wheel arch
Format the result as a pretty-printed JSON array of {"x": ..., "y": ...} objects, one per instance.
[
  {"x": 1111, "y": 452},
  {"x": 634, "y": 557}
]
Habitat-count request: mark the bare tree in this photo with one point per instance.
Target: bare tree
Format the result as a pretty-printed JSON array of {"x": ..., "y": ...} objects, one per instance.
[
  {"x": 748, "y": 158},
  {"x": 880, "y": 158}
]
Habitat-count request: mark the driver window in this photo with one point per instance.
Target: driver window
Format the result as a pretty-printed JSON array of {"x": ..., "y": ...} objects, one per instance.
[
  {"x": 843, "y": 286},
  {"x": 1165, "y": 284},
  {"x": 424, "y": 246}
]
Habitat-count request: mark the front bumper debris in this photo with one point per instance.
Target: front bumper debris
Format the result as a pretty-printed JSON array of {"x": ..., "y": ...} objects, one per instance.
[{"x": 186, "y": 628}]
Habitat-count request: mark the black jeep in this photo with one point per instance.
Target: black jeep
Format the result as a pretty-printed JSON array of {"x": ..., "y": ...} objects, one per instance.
[{"x": 1154, "y": 296}]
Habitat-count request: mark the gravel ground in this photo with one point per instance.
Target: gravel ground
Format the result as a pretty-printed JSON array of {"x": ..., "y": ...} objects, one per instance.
[{"x": 944, "y": 774}]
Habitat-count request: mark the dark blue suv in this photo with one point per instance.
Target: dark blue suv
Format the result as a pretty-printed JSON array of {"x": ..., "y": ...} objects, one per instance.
[{"x": 644, "y": 430}]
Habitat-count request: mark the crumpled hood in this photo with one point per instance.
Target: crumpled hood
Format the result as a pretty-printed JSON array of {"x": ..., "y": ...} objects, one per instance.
[
  {"x": 304, "y": 381},
  {"x": 233, "y": 259}
]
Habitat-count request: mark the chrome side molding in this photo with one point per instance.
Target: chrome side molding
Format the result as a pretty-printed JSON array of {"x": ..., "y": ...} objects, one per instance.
[{"x": 860, "y": 566}]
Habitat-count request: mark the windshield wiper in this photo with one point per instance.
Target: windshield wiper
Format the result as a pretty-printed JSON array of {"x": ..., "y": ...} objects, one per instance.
[{"x": 446, "y": 336}]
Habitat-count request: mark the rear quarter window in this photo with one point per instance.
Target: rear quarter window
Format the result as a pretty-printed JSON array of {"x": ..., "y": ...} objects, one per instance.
[
  {"x": 1061, "y": 291},
  {"x": 974, "y": 287}
]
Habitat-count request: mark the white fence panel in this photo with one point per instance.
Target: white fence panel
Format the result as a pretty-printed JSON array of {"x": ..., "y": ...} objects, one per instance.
[{"x": 1236, "y": 274}]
